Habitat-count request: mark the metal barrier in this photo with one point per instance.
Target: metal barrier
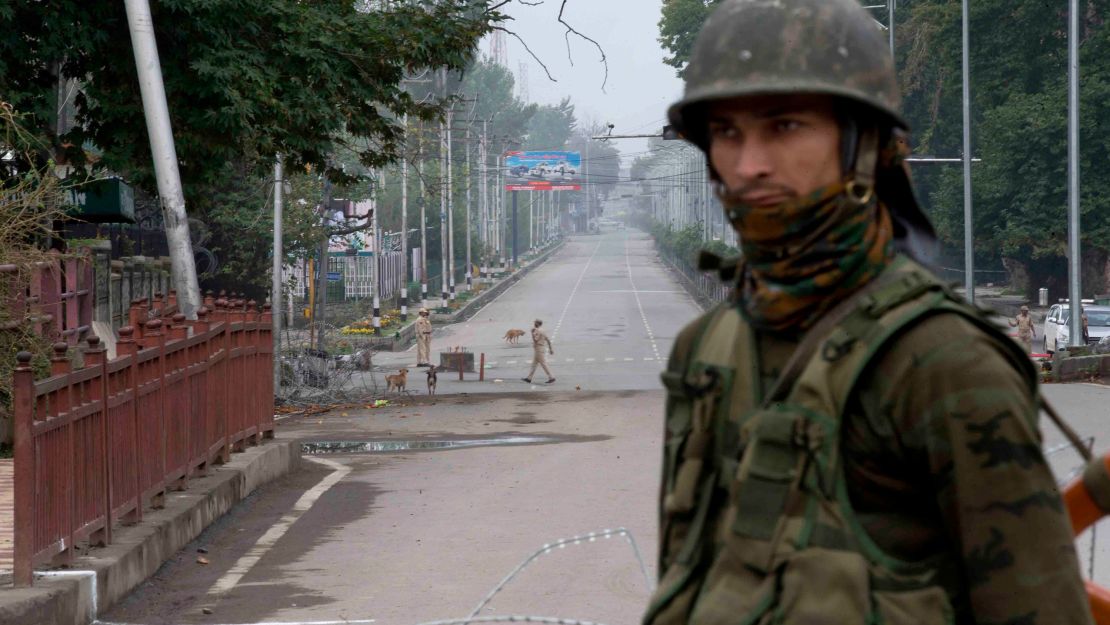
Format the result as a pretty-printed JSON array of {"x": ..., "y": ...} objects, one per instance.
[
  {"x": 707, "y": 284},
  {"x": 97, "y": 444}
]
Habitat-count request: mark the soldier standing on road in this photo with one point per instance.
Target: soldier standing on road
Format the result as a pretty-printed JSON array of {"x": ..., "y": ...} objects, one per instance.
[
  {"x": 423, "y": 339},
  {"x": 540, "y": 344},
  {"x": 1026, "y": 332},
  {"x": 847, "y": 440}
]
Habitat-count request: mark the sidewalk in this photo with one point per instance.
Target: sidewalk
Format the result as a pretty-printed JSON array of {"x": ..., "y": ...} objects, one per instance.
[{"x": 7, "y": 516}]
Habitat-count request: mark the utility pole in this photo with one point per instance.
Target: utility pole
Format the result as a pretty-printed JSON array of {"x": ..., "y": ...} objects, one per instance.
[
  {"x": 469, "y": 285},
  {"x": 172, "y": 197},
  {"x": 276, "y": 286},
  {"x": 514, "y": 229},
  {"x": 483, "y": 157},
  {"x": 1075, "y": 292},
  {"x": 376, "y": 271},
  {"x": 405, "y": 228},
  {"x": 320, "y": 313},
  {"x": 499, "y": 219},
  {"x": 531, "y": 220},
  {"x": 444, "y": 236},
  {"x": 969, "y": 239},
  {"x": 450, "y": 210},
  {"x": 586, "y": 184},
  {"x": 890, "y": 4},
  {"x": 423, "y": 219}
]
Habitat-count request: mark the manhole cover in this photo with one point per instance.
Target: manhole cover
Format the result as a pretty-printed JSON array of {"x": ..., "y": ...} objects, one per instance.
[{"x": 364, "y": 447}]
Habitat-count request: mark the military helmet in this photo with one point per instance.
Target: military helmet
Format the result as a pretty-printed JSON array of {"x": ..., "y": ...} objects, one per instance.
[{"x": 772, "y": 47}]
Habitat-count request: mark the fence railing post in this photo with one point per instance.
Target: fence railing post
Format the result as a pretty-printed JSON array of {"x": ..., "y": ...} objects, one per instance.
[
  {"x": 153, "y": 338},
  {"x": 23, "y": 396},
  {"x": 96, "y": 356},
  {"x": 127, "y": 348},
  {"x": 61, "y": 366}
]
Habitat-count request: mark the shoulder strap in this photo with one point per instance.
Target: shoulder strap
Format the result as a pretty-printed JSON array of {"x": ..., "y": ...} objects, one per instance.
[{"x": 887, "y": 290}]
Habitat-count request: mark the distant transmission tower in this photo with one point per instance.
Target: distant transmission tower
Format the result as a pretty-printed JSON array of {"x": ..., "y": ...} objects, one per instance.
[
  {"x": 522, "y": 81},
  {"x": 499, "y": 49}
]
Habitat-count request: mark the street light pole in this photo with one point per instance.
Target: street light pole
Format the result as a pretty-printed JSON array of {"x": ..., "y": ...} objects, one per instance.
[
  {"x": 275, "y": 295},
  {"x": 890, "y": 4},
  {"x": 405, "y": 228},
  {"x": 969, "y": 239},
  {"x": 1074, "y": 254}
]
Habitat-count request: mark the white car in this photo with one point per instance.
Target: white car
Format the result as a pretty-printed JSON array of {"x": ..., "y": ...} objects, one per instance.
[{"x": 1057, "y": 329}]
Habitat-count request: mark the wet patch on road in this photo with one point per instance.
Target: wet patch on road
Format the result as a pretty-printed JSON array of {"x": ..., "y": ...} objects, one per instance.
[
  {"x": 325, "y": 448},
  {"x": 523, "y": 418}
]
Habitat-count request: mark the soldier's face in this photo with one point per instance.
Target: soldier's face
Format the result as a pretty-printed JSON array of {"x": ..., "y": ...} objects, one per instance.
[{"x": 773, "y": 149}]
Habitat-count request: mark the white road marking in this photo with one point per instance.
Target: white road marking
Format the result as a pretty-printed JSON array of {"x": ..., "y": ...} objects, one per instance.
[
  {"x": 343, "y": 622},
  {"x": 632, "y": 291},
  {"x": 568, "y": 360},
  {"x": 559, "y": 324},
  {"x": 649, "y": 359},
  {"x": 591, "y": 359},
  {"x": 612, "y": 359},
  {"x": 270, "y": 538},
  {"x": 639, "y": 305},
  {"x": 629, "y": 359},
  {"x": 511, "y": 362}
]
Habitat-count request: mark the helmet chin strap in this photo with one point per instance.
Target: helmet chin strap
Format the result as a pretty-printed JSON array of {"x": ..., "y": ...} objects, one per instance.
[{"x": 860, "y": 175}]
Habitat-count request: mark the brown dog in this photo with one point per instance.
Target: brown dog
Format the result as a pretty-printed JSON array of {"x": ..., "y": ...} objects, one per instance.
[
  {"x": 432, "y": 380},
  {"x": 398, "y": 381},
  {"x": 512, "y": 336}
]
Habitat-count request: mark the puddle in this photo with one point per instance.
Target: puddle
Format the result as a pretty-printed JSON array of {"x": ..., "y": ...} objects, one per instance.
[{"x": 369, "y": 447}]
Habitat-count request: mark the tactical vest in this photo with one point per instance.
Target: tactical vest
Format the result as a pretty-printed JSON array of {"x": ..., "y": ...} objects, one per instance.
[{"x": 756, "y": 522}]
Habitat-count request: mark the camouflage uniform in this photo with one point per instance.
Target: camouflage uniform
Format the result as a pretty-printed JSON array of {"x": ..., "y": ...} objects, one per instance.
[{"x": 883, "y": 467}]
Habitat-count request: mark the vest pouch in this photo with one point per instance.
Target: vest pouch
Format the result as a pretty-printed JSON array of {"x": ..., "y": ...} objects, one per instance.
[
  {"x": 824, "y": 587},
  {"x": 922, "y": 606},
  {"x": 735, "y": 594},
  {"x": 775, "y": 448}
]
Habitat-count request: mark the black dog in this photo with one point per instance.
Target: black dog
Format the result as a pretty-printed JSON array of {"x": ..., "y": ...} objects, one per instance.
[{"x": 431, "y": 380}]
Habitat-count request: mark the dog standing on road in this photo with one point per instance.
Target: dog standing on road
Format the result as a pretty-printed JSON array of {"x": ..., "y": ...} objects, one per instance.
[
  {"x": 398, "y": 381},
  {"x": 513, "y": 336},
  {"x": 432, "y": 380}
]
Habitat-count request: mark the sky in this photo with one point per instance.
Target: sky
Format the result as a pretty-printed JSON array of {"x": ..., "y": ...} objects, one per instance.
[{"x": 639, "y": 87}]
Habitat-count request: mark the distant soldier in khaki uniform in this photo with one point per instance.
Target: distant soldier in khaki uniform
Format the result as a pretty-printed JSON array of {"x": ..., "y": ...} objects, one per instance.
[
  {"x": 847, "y": 440},
  {"x": 1026, "y": 332},
  {"x": 540, "y": 344},
  {"x": 423, "y": 339}
]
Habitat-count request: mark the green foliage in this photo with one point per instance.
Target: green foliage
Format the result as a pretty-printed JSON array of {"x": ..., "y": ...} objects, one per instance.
[
  {"x": 245, "y": 79},
  {"x": 492, "y": 86},
  {"x": 1019, "y": 125},
  {"x": 679, "y": 26},
  {"x": 551, "y": 127},
  {"x": 686, "y": 243}
]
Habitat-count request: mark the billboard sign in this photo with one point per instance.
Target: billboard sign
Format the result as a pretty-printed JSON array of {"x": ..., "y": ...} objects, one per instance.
[{"x": 543, "y": 171}]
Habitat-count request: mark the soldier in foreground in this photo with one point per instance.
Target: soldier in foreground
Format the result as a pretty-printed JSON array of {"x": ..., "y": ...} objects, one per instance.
[{"x": 847, "y": 440}]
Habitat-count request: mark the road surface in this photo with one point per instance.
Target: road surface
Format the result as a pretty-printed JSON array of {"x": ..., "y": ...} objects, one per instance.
[{"x": 405, "y": 537}]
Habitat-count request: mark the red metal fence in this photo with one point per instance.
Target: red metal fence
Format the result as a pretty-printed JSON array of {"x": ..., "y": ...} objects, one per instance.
[
  {"x": 56, "y": 295},
  {"x": 96, "y": 445}
]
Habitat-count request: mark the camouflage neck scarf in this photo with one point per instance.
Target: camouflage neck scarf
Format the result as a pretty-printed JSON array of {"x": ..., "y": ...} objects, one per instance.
[{"x": 804, "y": 256}]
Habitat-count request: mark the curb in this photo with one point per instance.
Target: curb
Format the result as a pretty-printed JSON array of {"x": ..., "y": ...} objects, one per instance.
[
  {"x": 72, "y": 597},
  {"x": 1071, "y": 368}
]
